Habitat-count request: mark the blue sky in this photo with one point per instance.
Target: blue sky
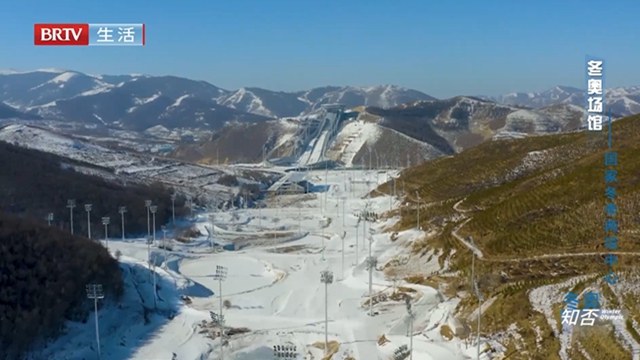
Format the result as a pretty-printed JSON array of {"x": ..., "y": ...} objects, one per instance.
[{"x": 444, "y": 48}]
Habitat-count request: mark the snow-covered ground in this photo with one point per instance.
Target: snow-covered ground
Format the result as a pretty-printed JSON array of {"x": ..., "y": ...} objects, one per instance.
[{"x": 273, "y": 287}]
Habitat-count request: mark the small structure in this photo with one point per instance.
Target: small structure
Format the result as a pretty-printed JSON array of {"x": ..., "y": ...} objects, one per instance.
[{"x": 291, "y": 183}]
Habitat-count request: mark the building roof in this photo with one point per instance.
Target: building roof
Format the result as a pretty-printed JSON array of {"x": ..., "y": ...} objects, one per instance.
[{"x": 292, "y": 177}]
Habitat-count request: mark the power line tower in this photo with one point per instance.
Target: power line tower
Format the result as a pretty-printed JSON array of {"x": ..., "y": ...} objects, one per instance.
[
  {"x": 105, "y": 222},
  {"x": 94, "y": 291},
  {"x": 326, "y": 277},
  {"x": 87, "y": 208},
  {"x": 71, "y": 204}
]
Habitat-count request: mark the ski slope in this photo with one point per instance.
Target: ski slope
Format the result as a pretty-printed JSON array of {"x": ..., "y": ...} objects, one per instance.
[
  {"x": 318, "y": 149},
  {"x": 274, "y": 288}
]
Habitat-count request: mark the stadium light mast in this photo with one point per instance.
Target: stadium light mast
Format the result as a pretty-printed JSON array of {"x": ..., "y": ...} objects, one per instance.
[
  {"x": 49, "y": 218},
  {"x": 344, "y": 199},
  {"x": 285, "y": 352},
  {"x": 418, "y": 218},
  {"x": 326, "y": 277},
  {"x": 372, "y": 262},
  {"x": 71, "y": 204},
  {"x": 212, "y": 218},
  {"x": 344, "y": 235},
  {"x": 173, "y": 209},
  {"x": 221, "y": 275},
  {"x": 164, "y": 245},
  {"x": 190, "y": 205},
  {"x": 322, "y": 237},
  {"x": 152, "y": 264},
  {"x": 87, "y": 208},
  {"x": 147, "y": 204},
  {"x": 94, "y": 292},
  {"x": 357, "y": 240},
  {"x": 153, "y": 209},
  {"x": 105, "y": 222},
  {"x": 149, "y": 242},
  {"x": 122, "y": 210},
  {"x": 411, "y": 316},
  {"x": 480, "y": 300}
]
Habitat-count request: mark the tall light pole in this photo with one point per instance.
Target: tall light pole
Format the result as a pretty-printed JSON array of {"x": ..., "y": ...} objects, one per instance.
[
  {"x": 221, "y": 275},
  {"x": 357, "y": 240},
  {"x": 87, "y": 208},
  {"x": 344, "y": 234},
  {"x": 173, "y": 209},
  {"x": 259, "y": 215},
  {"x": 411, "y": 316},
  {"x": 418, "y": 219},
  {"x": 49, "y": 218},
  {"x": 344, "y": 199},
  {"x": 480, "y": 300},
  {"x": 164, "y": 245},
  {"x": 285, "y": 352},
  {"x": 153, "y": 209},
  {"x": 326, "y": 277},
  {"x": 190, "y": 205},
  {"x": 105, "y": 222},
  {"x": 322, "y": 237},
  {"x": 212, "y": 218},
  {"x": 372, "y": 262},
  {"x": 147, "y": 204},
  {"x": 71, "y": 204},
  {"x": 149, "y": 242},
  {"x": 152, "y": 265},
  {"x": 94, "y": 291},
  {"x": 122, "y": 210}
]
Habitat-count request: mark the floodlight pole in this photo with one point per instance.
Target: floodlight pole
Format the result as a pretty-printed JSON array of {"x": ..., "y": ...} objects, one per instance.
[
  {"x": 87, "y": 208},
  {"x": 221, "y": 275},
  {"x": 94, "y": 291},
  {"x": 152, "y": 263},
  {"x": 410, "y": 329},
  {"x": 149, "y": 242},
  {"x": 371, "y": 264},
  {"x": 153, "y": 209},
  {"x": 122, "y": 210},
  {"x": 480, "y": 299},
  {"x": 322, "y": 237},
  {"x": 147, "y": 204},
  {"x": 164, "y": 246},
  {"x": 49, "y": 218},
  {"x": 259, "y": 215},
  {"x": 105, "y": 222},
  {"x": 71, "y": 204},
  {"x": 173, "y": 209},
  {"x": 344, "y": 234},
  {"x": 418, "y": 219},
  {"x": 326, "y": 277},
  {"x": 343, "y": 209},
  {"x": 357, "y": 236}
]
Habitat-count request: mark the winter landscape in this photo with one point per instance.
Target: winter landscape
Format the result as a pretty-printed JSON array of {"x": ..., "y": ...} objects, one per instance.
[{"x": 258, "y": 180}]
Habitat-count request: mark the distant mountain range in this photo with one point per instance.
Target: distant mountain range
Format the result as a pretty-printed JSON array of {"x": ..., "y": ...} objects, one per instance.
[
  {"x": 397, "y": 123},
  {"x": 138, "y": 102}
]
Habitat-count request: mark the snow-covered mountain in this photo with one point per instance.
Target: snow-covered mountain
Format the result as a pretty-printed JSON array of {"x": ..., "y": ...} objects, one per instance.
[
  {"x": 623, "y": 101},
  {"x": 289, "y": 104},
  {"x": 138, "y": 102}
]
